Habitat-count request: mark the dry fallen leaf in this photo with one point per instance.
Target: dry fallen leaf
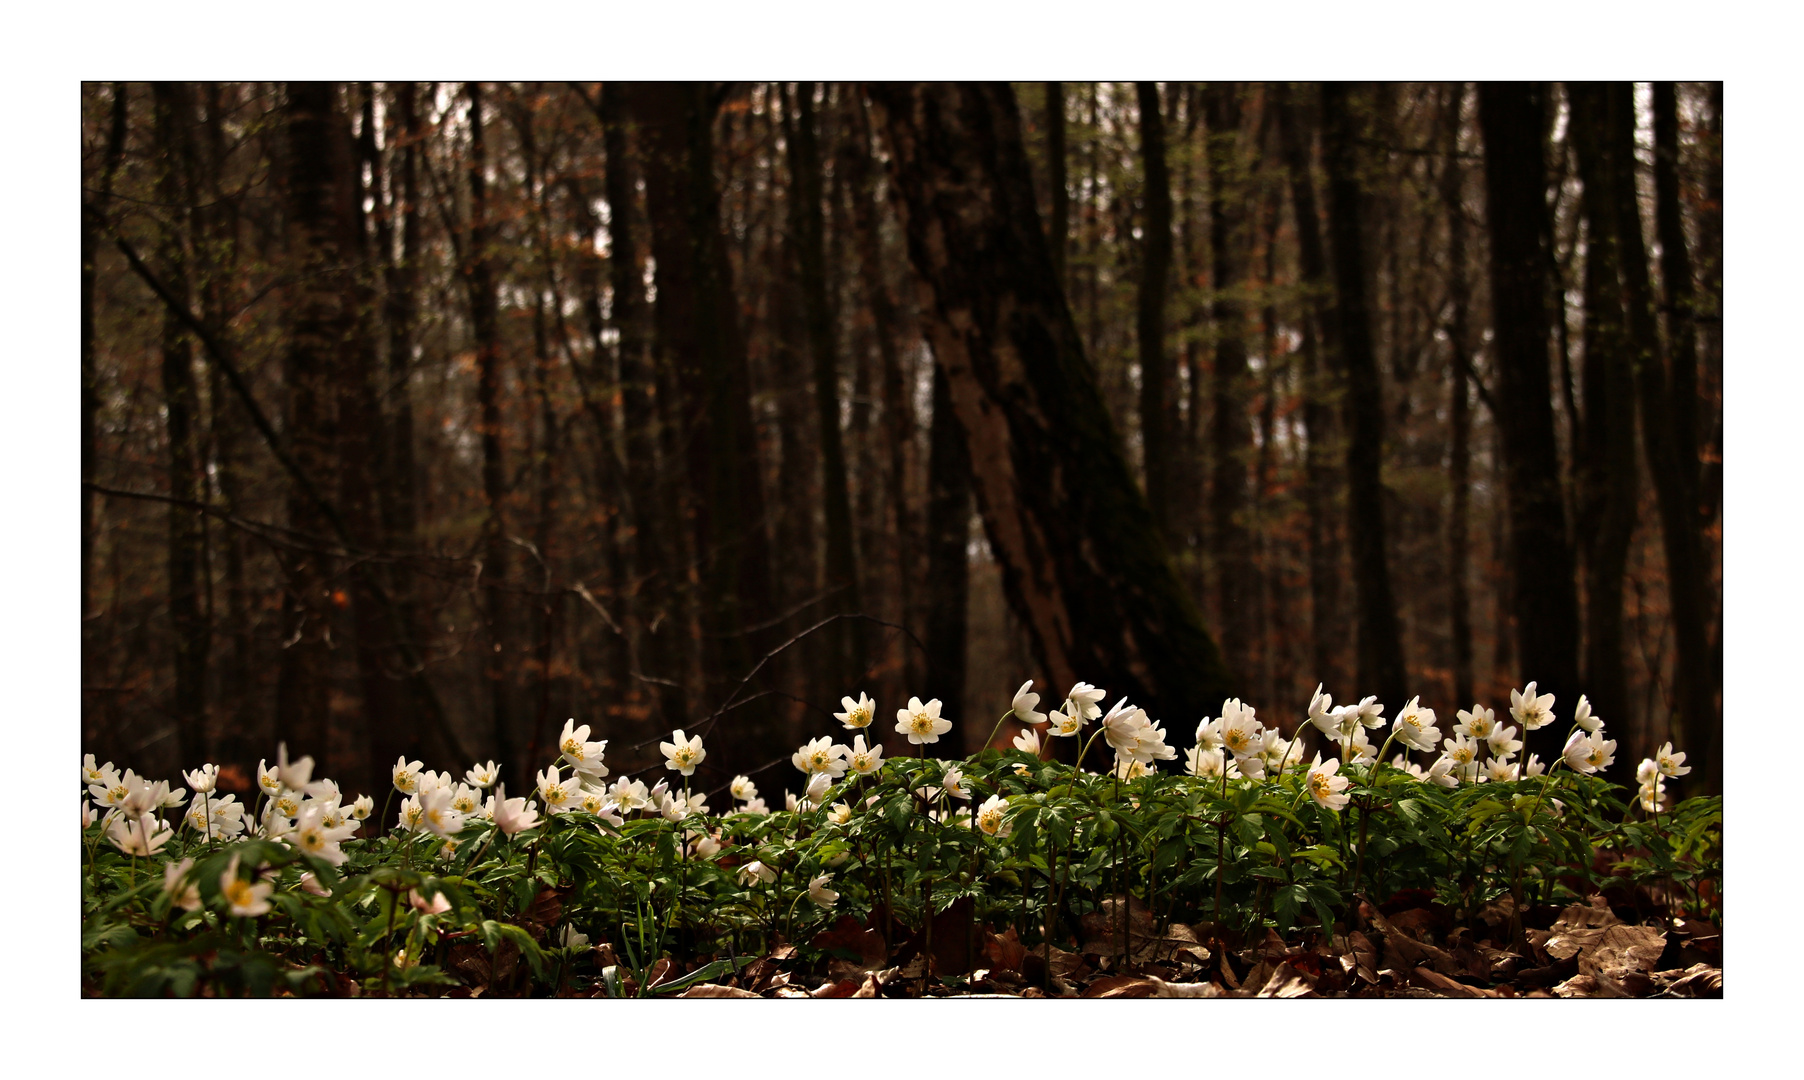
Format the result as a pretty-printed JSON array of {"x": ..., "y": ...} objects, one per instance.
[
  {"x": 715, "y": 990},
  {"x": 1286, "y": 982},
  {"x": 1121, "y": 986}
]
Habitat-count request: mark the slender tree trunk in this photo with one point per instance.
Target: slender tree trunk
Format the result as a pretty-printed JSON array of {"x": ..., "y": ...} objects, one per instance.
[
  {"x": 1380, "y": 652},
  {"x": 92, "y": 219},
  {"x": 1320, "y": 392},
  {"x": 1695, "y": 719},
  {"x": 657, "y": 612},
  {"x": 485, "y": 330},
  {"x": 1058, "y": 225},
  {"x": 191, "y": 626},
  {"x": 316, "y": 156},
  {"x": 898, "y": 417},
  {"x": 1083, "y": 566},
  {"x": 847, "y": 638},
  {"x": 1230, "y": 433},
  {"x": 1459, "y": 346},
  {"x": 698, "y": 326},
  {"x": 1158, "y": 395},
  {"x": 1545, "y": 594},
  {"x": 1609, "y": 486}
]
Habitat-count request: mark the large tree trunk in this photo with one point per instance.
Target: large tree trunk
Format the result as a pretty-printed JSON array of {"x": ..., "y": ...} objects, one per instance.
[
  {"x": 189, "y": 616},
  {"x": 1158, "y": 394},
  {"x": 1380, "y": 651},
  {"x": 1459, "y": 363},
  {"x": 846, "y": 649},
  {"x": 316, "y": 160},
  {"x": 1083, "y": 565},
  {"x": 1230, "y": 433},
  {"x": 698, "y": 327},
  {"x": 1609, "y": 486},
  {"x": 1674, "y": 475},
  {"x": 1544, "y": 594},
  {"x": 1319, "y": 391}
]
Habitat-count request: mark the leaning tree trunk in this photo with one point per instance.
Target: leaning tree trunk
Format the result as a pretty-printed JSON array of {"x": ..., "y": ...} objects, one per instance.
[
  {"x": 1380, "y": 649},
  {"x": 1545, "y": 596},
  {"x": 1083, "y": 565},
  {"x": 92, "y": 218}
]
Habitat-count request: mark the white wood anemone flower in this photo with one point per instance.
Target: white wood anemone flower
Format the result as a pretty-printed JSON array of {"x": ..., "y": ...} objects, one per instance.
[
  {"x": 683, "y": 753},
  {"x": 921, "y": 723},
  {"x": 858, "y": 714}
]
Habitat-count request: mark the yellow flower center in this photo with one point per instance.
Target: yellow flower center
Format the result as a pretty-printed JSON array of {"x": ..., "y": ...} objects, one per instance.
[
  {"x": 921, "y": 723},
  {"x": 573, "y": 748},
  {"x": 859, "y": 717},
  {"x": 1236, "y": 739},
  {"x": 819, "y": 761},
  {"x": 1318, "y": 785}
]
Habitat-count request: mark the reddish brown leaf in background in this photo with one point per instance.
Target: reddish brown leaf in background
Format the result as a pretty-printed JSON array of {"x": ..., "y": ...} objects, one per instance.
[{"x": 1005, "y": 951}]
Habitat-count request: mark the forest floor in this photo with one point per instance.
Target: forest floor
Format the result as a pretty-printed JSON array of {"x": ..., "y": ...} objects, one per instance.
[{"x": 1408, "y": 947}]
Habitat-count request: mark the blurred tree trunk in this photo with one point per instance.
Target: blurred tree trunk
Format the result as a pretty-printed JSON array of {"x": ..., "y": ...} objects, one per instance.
[
  {"x": 227, "y": 432},
  {"x": 1230, "y": 432},
  {"x": 898, "y": 415},
  {"x": 1083, "y": 565},
  {"x": 1609, "y": 486},
  {"x": 317, "y": 160},
  {"x": 1459, "y": 364},
  {"x": 400, "y": 502},
  {"x": 93, "y": 218},
  {"x": 656, "y": 612},
  {"x": 698, "y": 327},
  {"x": 1380, "y": 650},
  {"x": 1320, "y": 391},
  {"x": 189, "y": 614},
  {"x": 1158, "y": 394},
  {"x": 1544, "y": 596},
  {"x": 1674, "y": 475},
  {"x": 796, "y": 560},
  {"x": 479, "y": 282},
  {"x": 846, "y": 639},
  {"x": 1058, "y": 222}
]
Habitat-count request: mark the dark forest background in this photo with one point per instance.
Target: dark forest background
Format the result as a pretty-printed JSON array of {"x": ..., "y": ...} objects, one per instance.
[{"x": 418, "y": 417}]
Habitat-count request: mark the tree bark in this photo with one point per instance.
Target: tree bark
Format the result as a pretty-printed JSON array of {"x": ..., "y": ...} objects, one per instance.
[
  {"x": 1083, "y": 565},
  {"x": 1544, "y": 595},
  {"x": 1380, "y": 651},
  {"x": 948, "y": 563}
]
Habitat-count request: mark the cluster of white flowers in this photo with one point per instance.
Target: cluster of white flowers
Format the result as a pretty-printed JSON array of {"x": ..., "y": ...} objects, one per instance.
[{"x": 1651, "y": 775}]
